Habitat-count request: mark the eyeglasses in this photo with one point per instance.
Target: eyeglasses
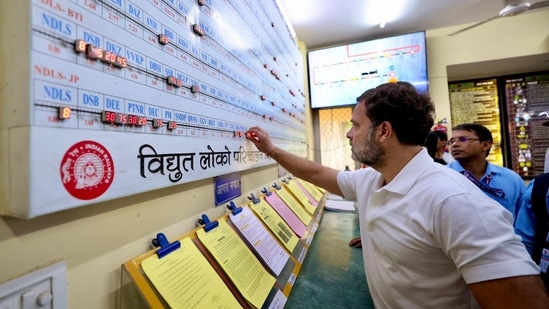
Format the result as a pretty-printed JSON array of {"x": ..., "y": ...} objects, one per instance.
[{"x": 461, "y": 139}]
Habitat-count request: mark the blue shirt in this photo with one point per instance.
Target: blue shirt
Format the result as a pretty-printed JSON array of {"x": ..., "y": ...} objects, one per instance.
[
  {"x": 502, "y": 178},
  {"x": 526, "y": 222}
]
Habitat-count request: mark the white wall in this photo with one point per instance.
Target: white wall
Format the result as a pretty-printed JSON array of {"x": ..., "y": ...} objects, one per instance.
[
  {"x": 95, "y": 240},
  {"x": 500, "y": 39}
]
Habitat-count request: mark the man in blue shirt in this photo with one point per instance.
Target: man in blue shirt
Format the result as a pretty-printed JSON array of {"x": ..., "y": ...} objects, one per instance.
[
  {"x": 526, "y": 223},
  {"x": 532, "y": 223},
  {"x": 470, "y": 145}
]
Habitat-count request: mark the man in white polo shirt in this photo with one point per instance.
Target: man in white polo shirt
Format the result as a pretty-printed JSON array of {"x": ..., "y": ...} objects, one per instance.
[{"x": 431, "y": 238}]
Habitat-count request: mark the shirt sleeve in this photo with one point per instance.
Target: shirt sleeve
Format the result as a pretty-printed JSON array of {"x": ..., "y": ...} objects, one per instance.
[
  {"x": 478, "y": 235},
  {"x": 526, "y": 222}
]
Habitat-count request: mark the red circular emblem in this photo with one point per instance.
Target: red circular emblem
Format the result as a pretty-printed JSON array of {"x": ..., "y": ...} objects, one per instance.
[{"x": 87, "y": 170}]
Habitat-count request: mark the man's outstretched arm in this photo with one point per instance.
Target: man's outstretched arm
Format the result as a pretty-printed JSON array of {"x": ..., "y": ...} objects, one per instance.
[{"x": 305, "y": 169}]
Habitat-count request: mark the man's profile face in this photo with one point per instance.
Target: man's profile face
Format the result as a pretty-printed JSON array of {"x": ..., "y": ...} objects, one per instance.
[{"x": 363, "y": 139}]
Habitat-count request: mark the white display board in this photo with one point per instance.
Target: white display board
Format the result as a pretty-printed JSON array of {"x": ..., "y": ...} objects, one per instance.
[{"x": 118, "y": 97}]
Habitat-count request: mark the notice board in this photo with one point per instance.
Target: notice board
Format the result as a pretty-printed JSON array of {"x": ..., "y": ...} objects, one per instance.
[
  {"x": 477, "y": 102},
  {"x": 527, "y": 100},
  {"x": 103, "y": 99},
  {"x": 514, "y": 108}
]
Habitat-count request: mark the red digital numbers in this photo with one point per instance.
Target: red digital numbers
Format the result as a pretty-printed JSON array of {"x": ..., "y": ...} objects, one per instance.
[
  {"x": 157, "y": 123},
  {"x": 64, "y": 112},
  {"x": 108, "y": 116},
  {"x": 163, "y": 39},
  {"x": 174, "y": 81},
  {"x": 80, "y": 46},
  {"x": 172, "y": 125},
  {"x": 109, "y": 57},
  {"x": 123, "y": 119},
  {"x": 121, "y": 62},
  {"x": 93, "y": 52},
  {"x": 132, "y": 120},
  {"x": 141, "y": 121}
]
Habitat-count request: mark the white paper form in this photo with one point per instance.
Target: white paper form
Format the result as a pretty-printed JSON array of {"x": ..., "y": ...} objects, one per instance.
[{"x": 270, "y": 251}]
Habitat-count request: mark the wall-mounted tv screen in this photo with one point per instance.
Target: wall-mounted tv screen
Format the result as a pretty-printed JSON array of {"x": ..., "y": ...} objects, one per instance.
[{"x": 338, "y": 75}]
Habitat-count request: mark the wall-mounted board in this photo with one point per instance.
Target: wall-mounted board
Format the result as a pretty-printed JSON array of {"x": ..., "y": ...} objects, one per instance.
[{"x": 103, "y": 99}]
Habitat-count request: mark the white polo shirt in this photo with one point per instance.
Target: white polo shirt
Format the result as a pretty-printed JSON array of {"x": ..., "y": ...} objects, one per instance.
[{"x": 429, "y": 233}]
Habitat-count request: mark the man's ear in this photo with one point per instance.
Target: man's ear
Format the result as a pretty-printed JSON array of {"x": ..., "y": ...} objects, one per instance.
[
  {"x": 385, "y": 129},
  {"x": 486, "y": 145}
]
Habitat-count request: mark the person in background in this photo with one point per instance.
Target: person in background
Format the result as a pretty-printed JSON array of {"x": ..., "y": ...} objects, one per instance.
[
  {"x": 470, "y": 145},
  {"x": 532, "y": 223},
  {"x": 432, "y": 239},
  {"x": 442, "y": 152},
  {"x": 431, "y": 143}
]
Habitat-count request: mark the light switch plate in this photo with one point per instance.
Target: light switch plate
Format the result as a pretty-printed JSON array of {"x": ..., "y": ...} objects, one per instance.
[{"x": 44, "y": 288}]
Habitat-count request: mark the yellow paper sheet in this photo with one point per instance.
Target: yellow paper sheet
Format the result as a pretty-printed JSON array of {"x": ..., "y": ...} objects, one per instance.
[
  {"x": 185, "y": 279},
  {"x": 314, "y": 190},
  {"x": 276, "y": 224},
  {"x": 300, "y": 195},
  {"x": 294, "y": 205},
  {"x": 246, "y": 272}
]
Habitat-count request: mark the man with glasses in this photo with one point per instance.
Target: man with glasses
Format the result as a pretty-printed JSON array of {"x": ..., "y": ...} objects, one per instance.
[{"x": 470, "y": 145}]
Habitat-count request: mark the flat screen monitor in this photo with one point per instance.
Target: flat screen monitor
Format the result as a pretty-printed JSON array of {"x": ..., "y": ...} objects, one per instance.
[{"x": 338, "y": 75}]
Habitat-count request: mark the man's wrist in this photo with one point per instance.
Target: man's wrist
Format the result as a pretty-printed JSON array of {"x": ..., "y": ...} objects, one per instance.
[{"x": 270, "y": 150}]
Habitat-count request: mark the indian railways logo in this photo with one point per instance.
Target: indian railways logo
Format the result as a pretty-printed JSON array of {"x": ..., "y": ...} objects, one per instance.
[{"x": 87, "y": 170}]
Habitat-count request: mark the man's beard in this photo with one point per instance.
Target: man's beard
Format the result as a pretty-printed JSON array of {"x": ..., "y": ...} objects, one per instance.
[{"x": 369, "y": 151}]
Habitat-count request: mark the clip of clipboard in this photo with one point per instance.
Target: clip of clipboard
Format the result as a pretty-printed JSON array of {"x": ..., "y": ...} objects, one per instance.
[
  {"x": 266, "y": 192},
  {"x": 254, "y": 199},
  {"x": 165, "y": 246},
  {"x": 233, "y": 208},
  {"x": 208, "y": 225},
  {"x": 276, "y": 186}
]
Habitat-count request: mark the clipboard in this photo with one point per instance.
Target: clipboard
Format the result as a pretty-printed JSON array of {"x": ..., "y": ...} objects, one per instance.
[
  {"x": 241, "y": 265},
  {"x": 138, "y": 291},
  {"x": 137, "y": 285},
  {"x": 260, "y": 208}
]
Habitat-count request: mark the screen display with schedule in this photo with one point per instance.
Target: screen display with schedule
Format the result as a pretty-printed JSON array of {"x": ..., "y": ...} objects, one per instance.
[
  {"x": 338, "y": 75},
  {"x": 131, "y": 96},
  {"x": 527, "y": 107}
]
